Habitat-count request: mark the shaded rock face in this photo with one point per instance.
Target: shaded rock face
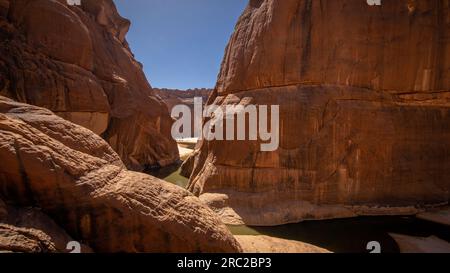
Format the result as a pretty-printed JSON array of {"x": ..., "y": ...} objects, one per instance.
[
  {"x": 31, "y": 231},
  {"x": 76, "y": 62},
  {"x": 364, "y": 112},
  {"x": 81, "y": 183}
]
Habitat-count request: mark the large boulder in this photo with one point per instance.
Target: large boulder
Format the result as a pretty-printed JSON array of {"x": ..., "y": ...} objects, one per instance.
[
  {"x": 75, "y": 61},
  {"x": 364, "y": 105},
  {"x": 81, "y": 183}
]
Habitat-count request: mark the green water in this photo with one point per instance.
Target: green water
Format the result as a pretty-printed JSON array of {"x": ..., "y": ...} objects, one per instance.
[
  {"x": 172, "y": 175},
  {"x": 341, "y": 235}
]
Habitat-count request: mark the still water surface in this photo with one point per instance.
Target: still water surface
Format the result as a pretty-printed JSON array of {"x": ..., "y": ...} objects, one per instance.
[{"x": 342, "y": 235}]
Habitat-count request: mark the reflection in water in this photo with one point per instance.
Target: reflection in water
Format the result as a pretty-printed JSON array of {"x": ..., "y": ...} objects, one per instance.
[{"x": 341, "y": 235}]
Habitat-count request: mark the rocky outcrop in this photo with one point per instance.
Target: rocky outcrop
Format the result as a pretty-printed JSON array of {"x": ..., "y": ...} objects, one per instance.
[
  {"x": 75, "y": 61},
  {"x": 266, "y": 244},
  {"x": 364, "y": 105},
  {"x": 81, "y": 183}
]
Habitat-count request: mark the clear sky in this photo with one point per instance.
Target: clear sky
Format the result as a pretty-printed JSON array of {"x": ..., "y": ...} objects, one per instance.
[{"x": 180, "y": 42}]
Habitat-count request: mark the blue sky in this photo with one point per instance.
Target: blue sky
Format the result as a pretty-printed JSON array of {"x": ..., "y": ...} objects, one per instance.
[{"x": 180, "y": 42}]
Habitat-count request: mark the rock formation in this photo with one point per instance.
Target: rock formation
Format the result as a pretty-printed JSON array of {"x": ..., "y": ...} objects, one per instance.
[
  {"x": 173, "y": 97},
  {"x": 441, "y": 216},
  {"x": 410, "y": 244},
  {"x": 189, "y": 163},
  {"x": 266, "y": 244},
  {"x": 364, "y": 112},
  {"x": 75, "y": 61},
  {"x": 74, "y": 177}
]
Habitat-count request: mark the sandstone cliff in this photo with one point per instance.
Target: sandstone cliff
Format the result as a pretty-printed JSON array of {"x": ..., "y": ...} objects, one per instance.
[
  {"x": 76, "y": 62},
  {"x": 75, "y": 178},
  {"x": 364, "y": 111}
]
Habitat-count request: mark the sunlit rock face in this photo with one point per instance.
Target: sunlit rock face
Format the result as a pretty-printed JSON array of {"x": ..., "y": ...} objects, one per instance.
[
  {"x": 76, "y": 179},
  {"x": 75, "y": 61},
  {"x": 364, "y": 112},
  {"x": 399, "y": 46}
]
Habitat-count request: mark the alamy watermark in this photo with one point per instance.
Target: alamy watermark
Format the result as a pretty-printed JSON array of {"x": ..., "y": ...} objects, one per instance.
[
  {"x": 229, "y": 123},
  {"x": 73, "y": 2},
  {"x": 73, "y": 247},
  {"x": 374, "y": 2},
  {"x": 374, "y": 247}
]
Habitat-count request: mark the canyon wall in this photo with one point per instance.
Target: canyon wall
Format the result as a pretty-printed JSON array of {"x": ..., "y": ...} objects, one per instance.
[
  {"x": 75, "y": 61},
  {"x": 172, "y": 97},
  {"x": 364, "y": 112}
]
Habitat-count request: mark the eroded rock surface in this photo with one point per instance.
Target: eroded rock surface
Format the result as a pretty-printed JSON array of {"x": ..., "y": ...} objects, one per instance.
[
  {"x": 80, "y": 182},
  {"x": 75, "y": 61},
  {"x": 266, "y": 244},
  {"x": 364, "y": 105},
  {"x": 174, "y": 97}
]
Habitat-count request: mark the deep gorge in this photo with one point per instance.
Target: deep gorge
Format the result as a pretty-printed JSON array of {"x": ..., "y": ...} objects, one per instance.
[{"x": 88, "y": 153}]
